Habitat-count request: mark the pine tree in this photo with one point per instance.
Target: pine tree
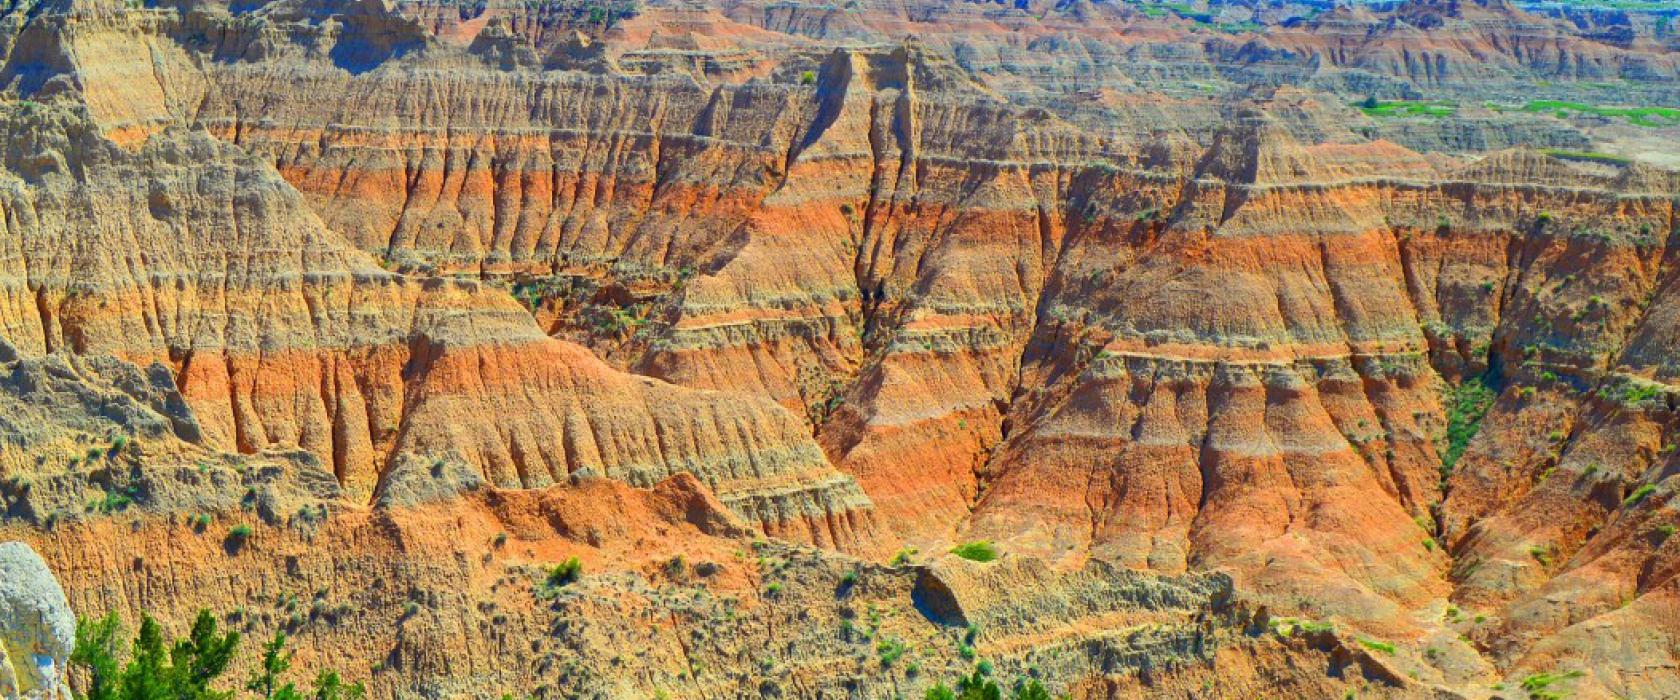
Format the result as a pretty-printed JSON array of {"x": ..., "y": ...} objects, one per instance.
[
  {"x": 1033, "y": 690},
  {"x": 96, "y": 650},
  {"x": 978, "y": 687},
  {"x": 147, "y": 676},
  {"x": 201, "y": 658},
  {"x": 265, "y": 681},
  {"x": 328, "y": 686},
  {"x": 186, "y": 669}
]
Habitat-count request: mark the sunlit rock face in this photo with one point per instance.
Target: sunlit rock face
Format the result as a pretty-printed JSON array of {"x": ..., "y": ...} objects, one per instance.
[{"x": 1259, "y": 340}]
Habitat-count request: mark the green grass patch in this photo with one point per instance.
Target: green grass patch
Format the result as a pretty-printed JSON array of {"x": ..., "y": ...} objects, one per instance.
[
  {"x": 1537, "y": 684},
  {"x": 1375, "y": 645},
  {"x": 890, "y": 651},
  {"x": 1287, "y": 626},
  {"x": 978, "y": 550},
  {"x": 1652, "y": 117},
  {"x": 1187, "y": 11},
  {"x": 1407, "y": 108},
  {"x": 1638, "y": 495},
  {"x": 1587, "y": 156}
]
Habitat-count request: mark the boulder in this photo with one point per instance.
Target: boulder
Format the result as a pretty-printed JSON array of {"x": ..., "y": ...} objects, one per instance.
[{"x": 37, "y": 629}]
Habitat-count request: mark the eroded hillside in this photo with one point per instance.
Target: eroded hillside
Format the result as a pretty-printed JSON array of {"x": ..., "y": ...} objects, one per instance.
[{"x": 1261, "y": 344}]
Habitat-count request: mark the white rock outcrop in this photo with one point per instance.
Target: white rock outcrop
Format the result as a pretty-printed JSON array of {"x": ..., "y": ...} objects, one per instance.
[{"x": 37, "y": 629}]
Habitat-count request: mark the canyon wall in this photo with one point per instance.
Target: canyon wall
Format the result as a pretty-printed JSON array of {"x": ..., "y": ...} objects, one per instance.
[{"x": 1124, "y": 293}]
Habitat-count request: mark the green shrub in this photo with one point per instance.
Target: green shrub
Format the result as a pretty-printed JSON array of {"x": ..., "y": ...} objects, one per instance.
[
  {"x": 565, "y": 573},
  {"x": 237, "y": 537},
  {"x": 1375, "y": 645},
  {"x": 808, "y": 78},
  {"x": 978, "y": 550},
  {"x": 1638, "y": 495},
  {"x": 890, "y": 651}
]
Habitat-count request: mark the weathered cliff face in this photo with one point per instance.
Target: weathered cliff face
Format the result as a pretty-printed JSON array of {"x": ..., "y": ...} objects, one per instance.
[
  {"x": 1120, "y": 292},
  {"x": 447, "y": 596},
  {"x": 279, "y": 335}
]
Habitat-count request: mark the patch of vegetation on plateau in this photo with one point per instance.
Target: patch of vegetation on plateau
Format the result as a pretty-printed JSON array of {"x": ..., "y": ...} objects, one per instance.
[
  {"x": 1289, "y": 626},
  {"x": 1587, "y": 156},
  {"x": 1653, "y": 117},
  {"x": 1374, "y": 107},
  {"x": 189, "y": 668},
  {"x": 1375, "y": 645},
  {"x": 978, "y": 550}
]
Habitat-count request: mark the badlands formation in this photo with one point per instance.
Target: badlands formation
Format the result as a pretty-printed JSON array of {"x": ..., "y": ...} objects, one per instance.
[{"x": 1278, "y": 348}]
